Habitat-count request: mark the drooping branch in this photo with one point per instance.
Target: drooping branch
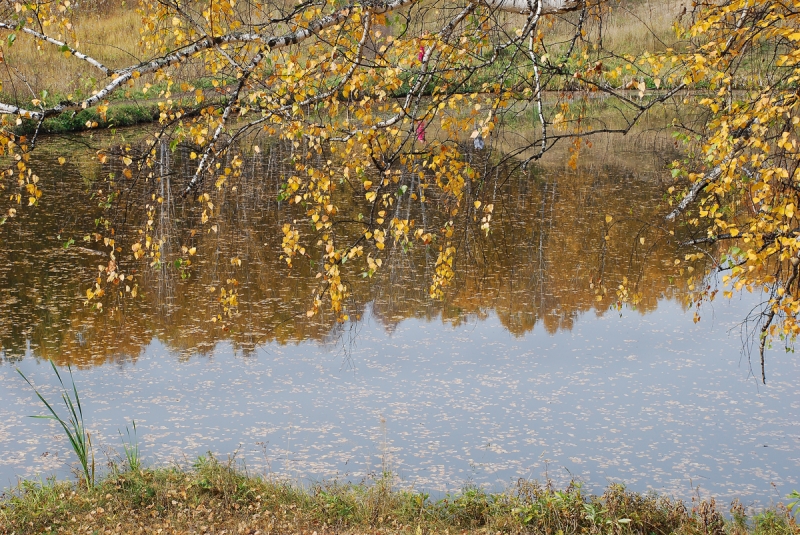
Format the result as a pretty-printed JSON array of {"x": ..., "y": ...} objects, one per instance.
[
  {"x": 234, "y": 100},
  {"x": 770, "y": 316},
  {"x": 208, "y": 153},
  {"x": 552, "y": 139}
]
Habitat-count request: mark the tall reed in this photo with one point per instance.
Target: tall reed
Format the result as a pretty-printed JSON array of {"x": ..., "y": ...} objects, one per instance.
[{"x": 73, "y": 426}]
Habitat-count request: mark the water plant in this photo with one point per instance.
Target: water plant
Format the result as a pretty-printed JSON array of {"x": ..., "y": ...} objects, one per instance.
[
  {"x": 79, "y": 438},
  {"x": 131, "y": 448}
]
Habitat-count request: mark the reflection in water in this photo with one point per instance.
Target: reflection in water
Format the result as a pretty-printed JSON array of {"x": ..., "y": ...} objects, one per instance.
[
  {"x": 545, "y": 261},
  {"x": 522, "y": 368}
]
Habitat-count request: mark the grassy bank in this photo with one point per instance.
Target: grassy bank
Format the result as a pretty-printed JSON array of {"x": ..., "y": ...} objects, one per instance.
[
  {"x": 214, "y": 497},
  {"x": 118, "y": 115}
]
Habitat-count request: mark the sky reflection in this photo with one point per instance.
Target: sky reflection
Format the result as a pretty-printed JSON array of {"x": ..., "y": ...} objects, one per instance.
[{"x": 650, "y": 400}]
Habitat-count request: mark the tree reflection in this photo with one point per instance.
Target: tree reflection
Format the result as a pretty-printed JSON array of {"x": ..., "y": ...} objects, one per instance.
[{"x": 561, "y": 242}]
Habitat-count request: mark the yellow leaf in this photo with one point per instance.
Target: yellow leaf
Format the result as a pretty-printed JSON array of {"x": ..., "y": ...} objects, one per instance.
[
  {"x": 61, "y": 160},
  {"x": 609, "y": 218}
]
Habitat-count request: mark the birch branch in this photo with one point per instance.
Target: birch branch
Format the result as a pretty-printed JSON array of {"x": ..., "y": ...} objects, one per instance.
[
  {"x": 208, "y": 153},
  {"x": 208, "y": 157},
  {"x": 699, "y": 186},
  {"x": 60, "y": 44}
]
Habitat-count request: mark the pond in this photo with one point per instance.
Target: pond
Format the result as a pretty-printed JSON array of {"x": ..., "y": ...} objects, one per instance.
[{"x": 523, "y": 369}]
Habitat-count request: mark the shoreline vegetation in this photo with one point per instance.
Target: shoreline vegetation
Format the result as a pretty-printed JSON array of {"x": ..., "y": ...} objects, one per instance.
[
  {"x": 223, "y": 497},
  {"x": 125, "y": 113},
  {"x": 219, "y": 497},
  {"x": 119, "y": 115}
]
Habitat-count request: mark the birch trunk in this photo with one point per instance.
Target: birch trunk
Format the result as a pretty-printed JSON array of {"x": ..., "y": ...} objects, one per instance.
[{"x": 530, "y": 6}]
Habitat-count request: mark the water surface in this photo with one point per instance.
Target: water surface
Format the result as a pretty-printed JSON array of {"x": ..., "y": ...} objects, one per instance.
[{"x": 524, "y": 369}]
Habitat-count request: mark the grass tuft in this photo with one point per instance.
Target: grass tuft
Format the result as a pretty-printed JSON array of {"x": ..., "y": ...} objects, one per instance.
[
  {"x": 79, "y": 438},
  {"x": 131, "y": 449}
]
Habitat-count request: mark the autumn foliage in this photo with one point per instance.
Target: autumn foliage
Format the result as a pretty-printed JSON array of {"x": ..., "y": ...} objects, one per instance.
[{"x": 386, "y": 102}]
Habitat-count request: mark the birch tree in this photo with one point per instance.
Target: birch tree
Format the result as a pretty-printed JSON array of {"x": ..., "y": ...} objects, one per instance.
[{"x": 382, "y": 99}]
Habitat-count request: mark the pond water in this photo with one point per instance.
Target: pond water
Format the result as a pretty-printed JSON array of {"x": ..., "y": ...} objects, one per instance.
[{"x": 521, "y": 370}]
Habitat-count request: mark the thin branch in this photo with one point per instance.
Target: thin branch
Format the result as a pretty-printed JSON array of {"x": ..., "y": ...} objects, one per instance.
[
  {"x": 61, "y": 44},
  {"x": 208, "y": 157},
  {"x": 795, "y": 261},
  {"x": 700, "y": 185}
]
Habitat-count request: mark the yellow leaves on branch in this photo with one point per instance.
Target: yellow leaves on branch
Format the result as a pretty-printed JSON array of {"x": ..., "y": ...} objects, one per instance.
[
  {"x": 33, "y": 191},
  {"x": 291, "y": 244},
  {"x": 750, "y": 147},
  {"x": 444, "y": 272}
]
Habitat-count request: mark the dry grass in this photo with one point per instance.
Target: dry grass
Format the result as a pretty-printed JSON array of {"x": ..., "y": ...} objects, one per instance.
[
  {"x": 634, "y": 26},
  {"x": 626, "y": 26},
  {"x": 214, "y": 497},
  {"x": 108, "y": 30}
]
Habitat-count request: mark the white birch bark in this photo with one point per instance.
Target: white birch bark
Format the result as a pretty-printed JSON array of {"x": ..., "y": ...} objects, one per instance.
[{"x": 549, "y": 7}]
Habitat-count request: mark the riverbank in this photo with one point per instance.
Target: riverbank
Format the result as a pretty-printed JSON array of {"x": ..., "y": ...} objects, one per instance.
[
  {"x": 216, "y": 497},
  {"x": 119, "y": 115}
]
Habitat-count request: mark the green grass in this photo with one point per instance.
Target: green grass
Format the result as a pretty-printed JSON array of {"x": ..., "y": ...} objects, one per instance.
[
  {"x": 131, "y": 448},
  {"x": 216, "y": 496},
  {"x": 118, "y": 115}
]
